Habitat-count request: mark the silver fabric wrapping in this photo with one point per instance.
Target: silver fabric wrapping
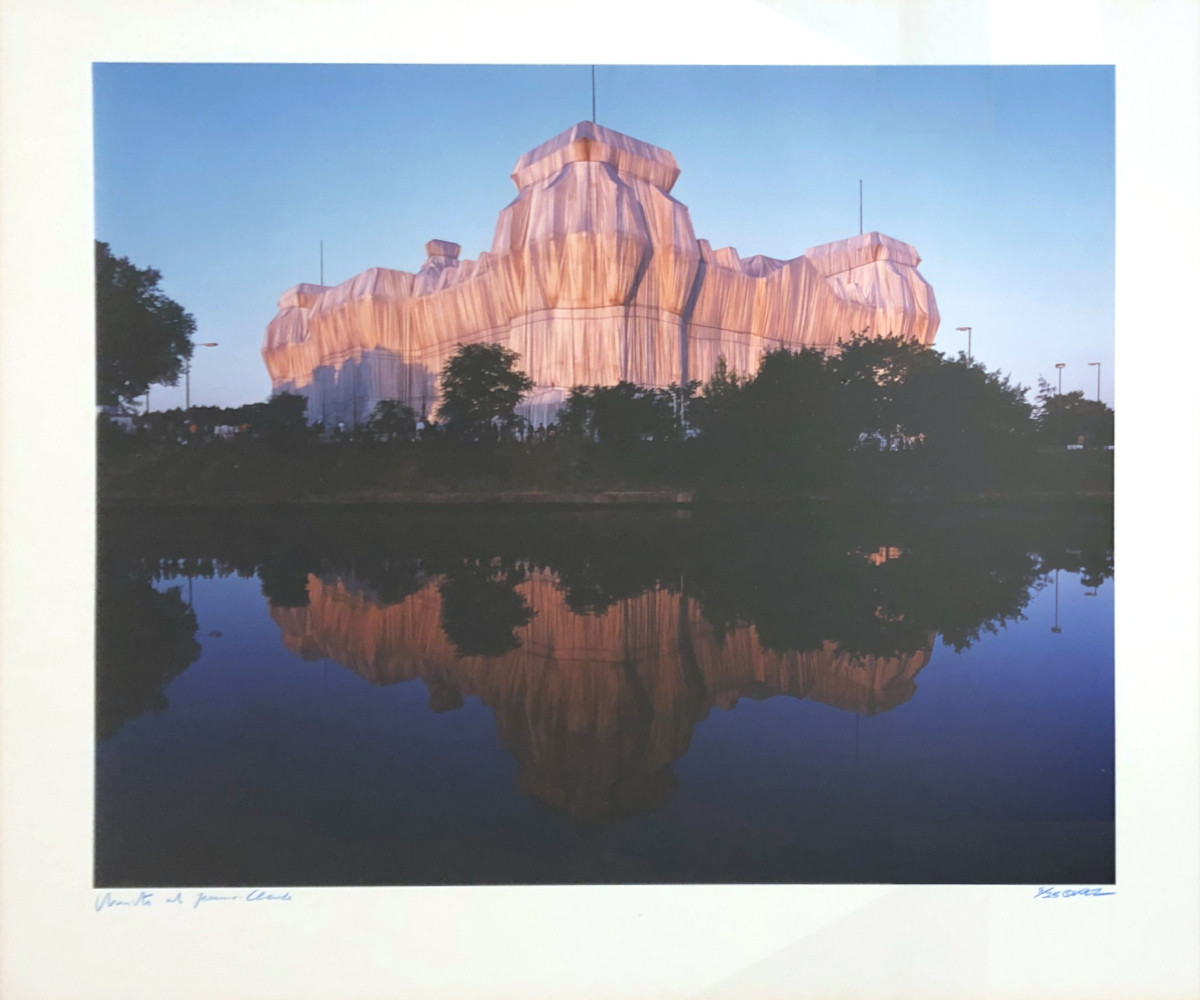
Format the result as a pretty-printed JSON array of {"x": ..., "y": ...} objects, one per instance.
[{"x": 595, "y": 275}]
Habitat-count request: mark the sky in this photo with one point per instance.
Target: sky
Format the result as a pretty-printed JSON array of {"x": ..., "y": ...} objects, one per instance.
[{"x": 227, "y": 178}]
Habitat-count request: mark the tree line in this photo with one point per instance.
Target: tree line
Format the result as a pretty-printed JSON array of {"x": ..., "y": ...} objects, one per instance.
[{"x": 803, "y": 418}]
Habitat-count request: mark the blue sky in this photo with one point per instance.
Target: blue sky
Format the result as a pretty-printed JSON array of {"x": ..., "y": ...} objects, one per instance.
[{"x": 226, "y": 177}]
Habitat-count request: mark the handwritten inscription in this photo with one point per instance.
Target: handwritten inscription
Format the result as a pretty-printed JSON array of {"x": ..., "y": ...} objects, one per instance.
[
  {"x": 192, "y": 900},
  {"x": 108, "y": 900},
  {"x": 1053, "y": 892}
]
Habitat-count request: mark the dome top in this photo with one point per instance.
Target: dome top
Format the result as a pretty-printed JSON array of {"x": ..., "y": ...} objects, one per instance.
[{"x": 589, "y": 141}]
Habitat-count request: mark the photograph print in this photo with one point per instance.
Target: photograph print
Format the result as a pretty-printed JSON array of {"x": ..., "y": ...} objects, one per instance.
[{"x": 543, "y": 475}]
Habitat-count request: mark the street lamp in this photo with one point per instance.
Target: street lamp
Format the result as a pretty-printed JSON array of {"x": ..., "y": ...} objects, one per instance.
[
  {"x": 1060, "y": 366},
  {"x": 960, "y": 329},
  {"x": 1097, "y": 366},
  {"x": 187, "y": 379}
]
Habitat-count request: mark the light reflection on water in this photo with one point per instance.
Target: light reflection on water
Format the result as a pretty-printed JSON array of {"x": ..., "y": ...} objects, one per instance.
[{"x": 641, "y": 701}]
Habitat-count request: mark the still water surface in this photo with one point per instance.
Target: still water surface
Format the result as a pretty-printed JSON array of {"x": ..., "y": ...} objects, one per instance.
[{"x": 372, "y": 698}]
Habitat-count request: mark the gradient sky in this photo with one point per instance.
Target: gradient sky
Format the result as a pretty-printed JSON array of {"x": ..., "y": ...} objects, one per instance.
[{"x": 226, "y": 177}]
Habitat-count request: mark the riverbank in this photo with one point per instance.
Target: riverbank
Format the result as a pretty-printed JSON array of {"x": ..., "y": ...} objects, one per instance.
[
  {"x": 357, "y": 474},
  {"x": 497, "y": 498},
  {"x": 630, "y": 499}
]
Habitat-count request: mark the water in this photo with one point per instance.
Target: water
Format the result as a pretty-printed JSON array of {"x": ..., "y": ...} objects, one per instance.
[{"x": 373, "y": 698}]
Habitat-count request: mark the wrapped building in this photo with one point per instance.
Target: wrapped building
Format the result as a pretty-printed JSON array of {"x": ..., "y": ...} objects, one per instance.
[{"x": 594, "y": 276}]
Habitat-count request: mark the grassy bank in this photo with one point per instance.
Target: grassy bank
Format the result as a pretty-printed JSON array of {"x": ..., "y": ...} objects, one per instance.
[{"x": 312, "y": 472}]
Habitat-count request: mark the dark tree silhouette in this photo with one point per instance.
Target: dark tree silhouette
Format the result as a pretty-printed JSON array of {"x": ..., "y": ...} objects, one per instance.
[
  {"x": 392, "y": 421},
  {"x": 144, "y": 639},
  {"x": 976, "y": 426},
  {"x": 717, "y": 400},
  {"x": 142, "y": 336},
  {"x": 776, "y": 428},
  {"x": 620, "y": 415},
  {"x": 875, "y": 377},
  {"x": 283, "y": 576},
  {"x": 281, "y": 418},
  {"x": 481, "y": 387},
  {"x": 1071, "y": 418},
  {"x": 481, "y": 611}
]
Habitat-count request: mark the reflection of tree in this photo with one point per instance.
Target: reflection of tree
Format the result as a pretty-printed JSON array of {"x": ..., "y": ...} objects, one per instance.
[
  {"x": 284, "y": 578},
  {"x": 391, "y": 580},
  {"x": 962, "y": 590},
  {"x": 595, "y": 708},
  {"x": 601, "y": 640},
  {"x": 144, "y": 638},
  {"x": 801, "y": 580},
  {"x": 1093, "y": 563},
  {"x": 593, "y": 582},
  {"x": 481, "y": 611}
]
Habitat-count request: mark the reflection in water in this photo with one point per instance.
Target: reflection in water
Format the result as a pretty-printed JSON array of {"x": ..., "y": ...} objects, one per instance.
[
  {"x": 480, "y": 610},
  {"x": 572, "y": 663},
  {"x": 144, "y": 638},
  {"x": 594, "y": 707}
]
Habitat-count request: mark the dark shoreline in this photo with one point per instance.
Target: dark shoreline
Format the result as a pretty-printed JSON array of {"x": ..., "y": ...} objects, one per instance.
[{"x": 610, "y": 498}]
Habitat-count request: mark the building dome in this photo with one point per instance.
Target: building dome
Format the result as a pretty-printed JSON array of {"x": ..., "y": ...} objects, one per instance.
[{"x": 594, "y": 276}]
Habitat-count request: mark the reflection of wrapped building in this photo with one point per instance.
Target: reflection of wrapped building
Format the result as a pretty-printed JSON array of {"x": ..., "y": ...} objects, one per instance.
[
  {"x": 594, "y": 707},
  {"x": 594, "y": 275}
]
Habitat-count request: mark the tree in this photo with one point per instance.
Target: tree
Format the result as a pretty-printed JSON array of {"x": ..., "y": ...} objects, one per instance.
[
  {"x": 715, "y": 414},
  {"x": 1065, "y": 419},
  {"x": 791, "y": 402},
  {"x": 621, "y": 415},
  {"x": 391, "y": 420},
  {"x": 875, "y": 378},
  {"x": 481, "y": 387},
  {"x": 281, "y": 418},
  {"x": 774, "y": 428},
  {"x": 718, "y": 397},
  {"x": 764, "y": 427},
  {"x": 965, "y": 422},
  {"x": 142, "y": 336},
  {"x": 975, "y": 425},
  {"x": 575, "y": 417}
]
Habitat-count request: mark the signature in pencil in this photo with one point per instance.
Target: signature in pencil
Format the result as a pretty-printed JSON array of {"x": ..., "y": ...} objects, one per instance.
[
  {"x": 145, "y": 897},
  {"x": 1053, "y": 892}
]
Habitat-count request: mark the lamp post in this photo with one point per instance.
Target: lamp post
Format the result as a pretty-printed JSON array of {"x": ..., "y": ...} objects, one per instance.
[
  {"x": 960, "y": 329},
  {"x": 187, "y": 380},
  {"x": 1097, "y": 366},
  {"x": 1060, "y": 366}
]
